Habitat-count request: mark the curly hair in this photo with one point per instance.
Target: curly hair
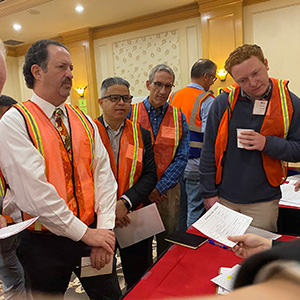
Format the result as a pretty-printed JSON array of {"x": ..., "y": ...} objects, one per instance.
[
  {"x": 243, "y": 53},
  {"x": 38, "y": 54}
]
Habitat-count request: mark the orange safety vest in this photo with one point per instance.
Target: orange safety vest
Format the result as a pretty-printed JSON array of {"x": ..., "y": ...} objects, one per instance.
[
  {"x": 276, "y": 123},
  {"x": 189, "y": 100},
  {"x": 2, "y": 194},
  {"x": 73, "y": 180},
  {"x": 169, "y": 134},
  {"x": 130, "y": 160}
]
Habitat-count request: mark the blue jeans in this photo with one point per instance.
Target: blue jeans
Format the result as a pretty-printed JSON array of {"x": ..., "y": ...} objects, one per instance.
[
  {"x": 191, "y": 200},
  {"x": 11, "y": 271}
]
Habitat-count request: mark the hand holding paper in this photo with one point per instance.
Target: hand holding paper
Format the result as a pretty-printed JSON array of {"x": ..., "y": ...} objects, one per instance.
[{"x": 220, "y": 222}]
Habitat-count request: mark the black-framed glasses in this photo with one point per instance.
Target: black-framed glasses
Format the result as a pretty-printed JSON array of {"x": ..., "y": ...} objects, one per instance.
[
  {"x": 116, "y": 98},
  {"x": 160, "y": 85},
  {"x": 214, "y": 77}
]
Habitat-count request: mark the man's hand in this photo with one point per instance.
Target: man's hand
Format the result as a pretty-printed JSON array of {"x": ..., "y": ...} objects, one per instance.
[
  {"x": 3, "y": 222},
  {"x": 155, "y": 197},
  {"x": 249, "y": 244},
  {"x": 252, "y": 140},
  {"x": 297, "y": 186},
  {"x": 122, "y": 218},
  {"x": 99, "y": 257},
  {"x": 104, "y": 238},
  {"x": 209, "y": 202}
]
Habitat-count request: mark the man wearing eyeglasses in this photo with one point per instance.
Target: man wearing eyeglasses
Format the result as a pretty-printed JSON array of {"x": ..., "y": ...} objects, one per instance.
[
  {"x": 170, "y": 139},
  {"x": 194, "y": 101},
  {"x": 128, "y": 145}
]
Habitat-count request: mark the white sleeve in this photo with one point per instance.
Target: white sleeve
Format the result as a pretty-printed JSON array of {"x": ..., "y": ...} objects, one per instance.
[{"x": 24, "y": 169}]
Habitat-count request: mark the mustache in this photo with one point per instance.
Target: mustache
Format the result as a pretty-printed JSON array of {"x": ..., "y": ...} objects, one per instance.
[{"x": 67, "y": 80}]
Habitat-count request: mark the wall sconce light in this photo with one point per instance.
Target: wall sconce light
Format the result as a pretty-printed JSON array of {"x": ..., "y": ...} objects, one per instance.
[
  {"x": 222, "y": 73},
  {"x": 80, "y": 91}
]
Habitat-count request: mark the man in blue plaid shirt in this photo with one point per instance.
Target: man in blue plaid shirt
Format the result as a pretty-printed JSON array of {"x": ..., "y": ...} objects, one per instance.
[{"x": 170, "y": 137}]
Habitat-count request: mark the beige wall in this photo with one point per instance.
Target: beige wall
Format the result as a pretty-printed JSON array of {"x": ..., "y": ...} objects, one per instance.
[
  {"x": 132, "y": 55},
  {"x": 274, "y": 25}
]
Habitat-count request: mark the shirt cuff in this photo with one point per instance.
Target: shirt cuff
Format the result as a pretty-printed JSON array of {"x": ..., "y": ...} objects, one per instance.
[
  {"x": 77, "y": 230},
  {"x": 127, "y": 199},
  {"x": 106, "y": 221}
]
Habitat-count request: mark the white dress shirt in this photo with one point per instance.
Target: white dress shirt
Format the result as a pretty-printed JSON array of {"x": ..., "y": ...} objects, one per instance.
[{"x": 24, "y": 169}]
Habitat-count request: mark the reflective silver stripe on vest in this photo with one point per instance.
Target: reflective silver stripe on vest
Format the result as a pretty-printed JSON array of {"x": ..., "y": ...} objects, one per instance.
[
  {"x": 192, "y": 122},
  {"x": 196, "y": 144}
]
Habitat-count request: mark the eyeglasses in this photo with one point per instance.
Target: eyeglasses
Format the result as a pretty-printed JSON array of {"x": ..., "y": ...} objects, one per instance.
[
  {"x": 117, "y": 98},
  {"x": 160, "y": 85},
  {"x": 215, "y": 77}
]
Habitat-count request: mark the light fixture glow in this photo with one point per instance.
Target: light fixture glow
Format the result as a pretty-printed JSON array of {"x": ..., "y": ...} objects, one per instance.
[
  {"x": 222, "y": 73},
  {"x": 17, "y": 27},
  {"x": 79, "y": 8},
  {"x": 80, "y": 91}
]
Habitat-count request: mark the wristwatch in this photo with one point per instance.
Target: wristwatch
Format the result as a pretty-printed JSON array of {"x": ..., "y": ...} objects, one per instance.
[{"x": 126, "y": 203}]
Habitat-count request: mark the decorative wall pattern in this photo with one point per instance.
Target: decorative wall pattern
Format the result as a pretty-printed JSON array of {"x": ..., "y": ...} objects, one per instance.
[{"x": 134, "y": 58}]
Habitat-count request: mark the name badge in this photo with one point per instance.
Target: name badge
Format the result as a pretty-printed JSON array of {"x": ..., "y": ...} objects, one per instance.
[{"x": 260, "y": 107}]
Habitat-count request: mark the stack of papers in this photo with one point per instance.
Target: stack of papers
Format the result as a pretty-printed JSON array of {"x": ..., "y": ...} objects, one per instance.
[
  {"x": 226, "y": 279},
  {"x": 289, "y": 196}
]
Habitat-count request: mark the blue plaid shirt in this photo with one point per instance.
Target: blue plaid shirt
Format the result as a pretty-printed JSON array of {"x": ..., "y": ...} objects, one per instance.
[{"x": 174, "y": 171}]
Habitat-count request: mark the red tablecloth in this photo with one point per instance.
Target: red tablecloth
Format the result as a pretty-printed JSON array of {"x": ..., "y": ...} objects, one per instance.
[{"x": 184, "y": 272}]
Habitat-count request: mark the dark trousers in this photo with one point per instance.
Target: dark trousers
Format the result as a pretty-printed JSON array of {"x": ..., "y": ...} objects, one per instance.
[
  {"x": 48, "y": 261},
  {"x": 136, "y": 260}
]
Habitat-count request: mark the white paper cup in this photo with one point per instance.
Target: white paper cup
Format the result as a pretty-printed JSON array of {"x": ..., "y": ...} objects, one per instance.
[{"x": 238, "y": 131}]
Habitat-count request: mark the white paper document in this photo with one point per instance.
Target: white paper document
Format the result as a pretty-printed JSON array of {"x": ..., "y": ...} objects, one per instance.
[
  {"x": 219, "y": 222},
  {"x": 87, "y": 270},
  {"x": 221, "y": 290},
  {"x": 227, "y": 279},
  {"x": 144, "y": 223},
  {"x": 16, "y": 228},
  {"x": 264, "y": 233},
  {"x": 289, "y": 196}
]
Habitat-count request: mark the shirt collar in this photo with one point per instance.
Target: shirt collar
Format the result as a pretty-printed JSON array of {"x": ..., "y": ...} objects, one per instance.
[
  {"x": 266, "y": 96},
  {"x": 196, "y": 86},
  {"x": 47, "y": 107},
  {"x": 162, "y": 109},
  {"x": 106, "y": 125}
]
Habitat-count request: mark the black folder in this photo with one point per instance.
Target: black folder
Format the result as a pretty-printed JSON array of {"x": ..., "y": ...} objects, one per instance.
[{"x": 186, "y": 239}]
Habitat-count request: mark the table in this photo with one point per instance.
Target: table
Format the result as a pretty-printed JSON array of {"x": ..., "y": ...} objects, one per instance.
[{"x": 182, "y": 272}]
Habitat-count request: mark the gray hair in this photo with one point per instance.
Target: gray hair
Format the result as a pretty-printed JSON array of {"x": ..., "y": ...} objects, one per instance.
[
  {"x": 2, "y": 49},
  {"x": 203, "y": 66},
  {"x": 106, "y": 83},
  {"x": 161, "y": 67}
]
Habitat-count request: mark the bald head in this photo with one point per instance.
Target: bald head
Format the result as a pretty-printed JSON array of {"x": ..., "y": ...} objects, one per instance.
[{"x": 2, "y": 66}]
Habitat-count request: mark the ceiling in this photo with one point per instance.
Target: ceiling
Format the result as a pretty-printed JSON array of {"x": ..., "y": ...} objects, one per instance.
[{"x": 47, "y": 18}]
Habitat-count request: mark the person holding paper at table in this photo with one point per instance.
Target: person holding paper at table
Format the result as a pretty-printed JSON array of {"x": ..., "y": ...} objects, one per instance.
[
  {"x": 57, "y": 168},
  {"x": 132, "y": 161},
  {"x": 247, "y": 177}
]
